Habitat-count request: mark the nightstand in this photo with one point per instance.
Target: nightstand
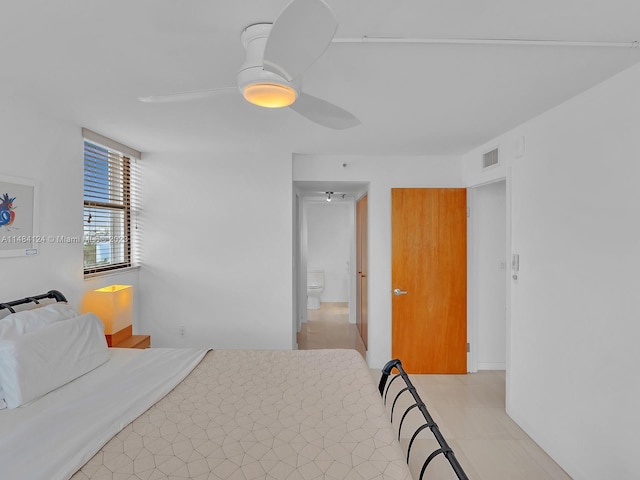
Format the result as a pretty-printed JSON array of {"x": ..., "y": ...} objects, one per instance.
[{"x": 134, "y": 341}]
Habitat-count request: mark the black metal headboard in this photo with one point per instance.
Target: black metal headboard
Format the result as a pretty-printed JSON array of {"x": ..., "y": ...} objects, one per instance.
[{"x": 55, "y": 294}]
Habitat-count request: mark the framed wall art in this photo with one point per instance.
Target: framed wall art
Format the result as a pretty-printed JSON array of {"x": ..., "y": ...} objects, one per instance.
[{"x": 18, "y": 201}]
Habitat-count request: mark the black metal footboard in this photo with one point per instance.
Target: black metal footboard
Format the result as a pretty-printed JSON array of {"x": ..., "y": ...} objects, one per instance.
[
  {"x": 54, "y": 294},
  {"x": 429, "y": 423}
]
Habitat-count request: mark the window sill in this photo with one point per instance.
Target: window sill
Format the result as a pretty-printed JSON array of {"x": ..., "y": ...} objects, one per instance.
[{"x": 109, "y": 273}]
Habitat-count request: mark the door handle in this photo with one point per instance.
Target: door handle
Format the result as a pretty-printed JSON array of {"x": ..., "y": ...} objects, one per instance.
[{"x": 397, "y": 291}]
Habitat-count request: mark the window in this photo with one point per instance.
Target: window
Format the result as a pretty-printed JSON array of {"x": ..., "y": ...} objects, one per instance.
[{"x": 111, "y": 228}]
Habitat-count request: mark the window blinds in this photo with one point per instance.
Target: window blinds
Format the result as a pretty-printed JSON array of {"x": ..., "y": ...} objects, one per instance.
[{"x": 111, "y": 207}]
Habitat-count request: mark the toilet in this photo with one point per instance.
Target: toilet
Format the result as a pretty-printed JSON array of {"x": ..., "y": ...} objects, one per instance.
[{"x": 315, "y": 287}]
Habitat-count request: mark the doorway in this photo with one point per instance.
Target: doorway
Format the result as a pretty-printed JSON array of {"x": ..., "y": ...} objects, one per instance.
[
  {"x": 325, "y": 238},
  {"x": 489, "y": 268},
  {"x": 327, "y": 252}
]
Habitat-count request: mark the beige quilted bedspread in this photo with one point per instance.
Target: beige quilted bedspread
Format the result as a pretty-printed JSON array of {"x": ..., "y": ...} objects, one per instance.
[{"x": 244, "y": 415}]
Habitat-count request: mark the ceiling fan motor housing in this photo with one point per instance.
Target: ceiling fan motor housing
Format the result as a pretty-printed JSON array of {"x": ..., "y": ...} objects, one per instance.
[{"x": 252, "y": 73}]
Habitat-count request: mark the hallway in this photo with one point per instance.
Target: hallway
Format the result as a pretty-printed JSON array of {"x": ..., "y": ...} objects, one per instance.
[{"x": 329, "y": 327}]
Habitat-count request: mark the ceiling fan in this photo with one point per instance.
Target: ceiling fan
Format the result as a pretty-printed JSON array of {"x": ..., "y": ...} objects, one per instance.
[{"x": 276, "y": 56}]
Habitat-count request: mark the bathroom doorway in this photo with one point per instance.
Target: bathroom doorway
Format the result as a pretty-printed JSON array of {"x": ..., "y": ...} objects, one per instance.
[{"x": 330, "y": 228}]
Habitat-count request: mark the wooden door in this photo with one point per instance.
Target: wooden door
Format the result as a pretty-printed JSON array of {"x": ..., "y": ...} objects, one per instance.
[
  {"x": 429, "y": 263},
  {"x": 361, "y": 268}
]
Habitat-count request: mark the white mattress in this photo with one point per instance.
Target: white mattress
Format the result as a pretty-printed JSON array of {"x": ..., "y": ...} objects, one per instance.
[{"x": 239, "y": 415}]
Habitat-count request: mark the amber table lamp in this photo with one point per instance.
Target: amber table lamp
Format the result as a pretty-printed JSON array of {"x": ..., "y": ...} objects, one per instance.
[{"x": 114, "y": 306}]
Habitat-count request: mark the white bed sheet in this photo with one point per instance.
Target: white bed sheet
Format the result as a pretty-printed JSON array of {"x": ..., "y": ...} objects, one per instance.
[{"x": 112, "y": 396}]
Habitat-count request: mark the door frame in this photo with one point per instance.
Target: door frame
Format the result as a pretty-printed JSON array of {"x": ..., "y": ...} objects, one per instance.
[
  {"x": 472, "y": 274},
  {"x": 362, "y": 263}
]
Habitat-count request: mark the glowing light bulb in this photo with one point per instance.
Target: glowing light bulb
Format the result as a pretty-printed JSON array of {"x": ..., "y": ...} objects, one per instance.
[{"x": 269, "y": 95}]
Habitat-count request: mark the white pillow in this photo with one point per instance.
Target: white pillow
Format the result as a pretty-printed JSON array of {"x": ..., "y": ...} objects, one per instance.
[
  {"x": 36, "y": 363},
  {"x": 27, "y": 321}
]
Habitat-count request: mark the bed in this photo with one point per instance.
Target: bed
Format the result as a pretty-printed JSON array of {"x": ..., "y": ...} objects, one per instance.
[{"x": 182, "y": 413}]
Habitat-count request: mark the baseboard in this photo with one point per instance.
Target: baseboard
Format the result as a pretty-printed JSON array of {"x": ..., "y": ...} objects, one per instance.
[{"x": 491, "y": 366}]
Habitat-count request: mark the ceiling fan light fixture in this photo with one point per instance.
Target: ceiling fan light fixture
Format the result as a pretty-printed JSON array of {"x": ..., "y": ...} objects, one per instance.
[{"x": 270, "y": 95}]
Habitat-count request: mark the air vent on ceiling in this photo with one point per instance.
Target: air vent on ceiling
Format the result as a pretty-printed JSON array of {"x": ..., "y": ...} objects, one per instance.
[{"x": 490, "y": 159}]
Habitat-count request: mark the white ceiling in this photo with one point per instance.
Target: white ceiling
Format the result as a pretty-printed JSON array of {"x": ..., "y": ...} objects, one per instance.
[{"x": 89, "y": 60}]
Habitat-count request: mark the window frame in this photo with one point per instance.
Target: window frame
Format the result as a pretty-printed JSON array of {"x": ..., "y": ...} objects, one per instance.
[{"x": 119, "y": 156}]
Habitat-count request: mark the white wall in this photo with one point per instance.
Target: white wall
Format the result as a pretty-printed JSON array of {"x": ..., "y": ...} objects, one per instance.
[
  {"x": 573, "y": 356},
  {"x": 49, "y": 151},
  {"x": 382, "y": 174},
  {"x": 218, "y": 250},
  {"x": 330, "y": 230}
]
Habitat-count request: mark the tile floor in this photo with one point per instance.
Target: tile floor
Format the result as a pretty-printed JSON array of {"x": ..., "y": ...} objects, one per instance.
[
  {"x": 329, "y": 327},
  {"x": 469, "y": 410}
]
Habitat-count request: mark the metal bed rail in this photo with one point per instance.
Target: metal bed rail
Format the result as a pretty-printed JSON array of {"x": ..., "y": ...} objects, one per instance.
[
  {"x": 55, "y": 294},
  {"x": 444, "y": 449}
]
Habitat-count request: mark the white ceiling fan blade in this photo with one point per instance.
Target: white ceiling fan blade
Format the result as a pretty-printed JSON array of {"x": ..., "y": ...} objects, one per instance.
[
  {"x": 298, "y": 37},
  {"x": 324, "y": 113},
  {"x": 187, "y": 96}
]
